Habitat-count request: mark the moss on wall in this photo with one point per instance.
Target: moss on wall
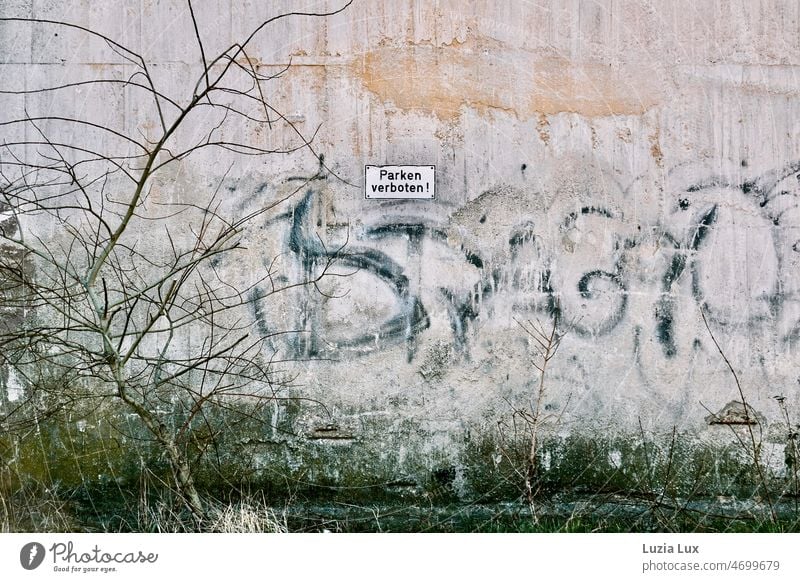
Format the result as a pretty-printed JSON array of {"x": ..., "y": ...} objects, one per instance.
[{"x": 103, "y": 466}]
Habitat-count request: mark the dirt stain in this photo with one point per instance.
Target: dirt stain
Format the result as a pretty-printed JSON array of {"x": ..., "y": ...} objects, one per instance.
[{"x": 655, "y": 148}]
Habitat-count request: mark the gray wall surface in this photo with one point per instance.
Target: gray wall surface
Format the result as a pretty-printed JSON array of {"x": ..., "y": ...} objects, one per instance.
[{"x": 629, "y": 163}]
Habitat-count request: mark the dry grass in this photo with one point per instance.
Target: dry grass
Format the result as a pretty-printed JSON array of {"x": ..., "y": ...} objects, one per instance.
[
  {"x": 166, "y": 514},
  {"x": 246, "y": 517},
  {"x": 34, "y": 511}
]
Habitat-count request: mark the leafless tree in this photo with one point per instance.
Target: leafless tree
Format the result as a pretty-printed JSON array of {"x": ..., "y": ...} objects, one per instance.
[
  {"x": 117, "y": 292},
  {"x": 529, "y": 418}
]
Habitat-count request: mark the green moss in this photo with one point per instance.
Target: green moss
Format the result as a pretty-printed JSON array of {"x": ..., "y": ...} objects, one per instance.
[
  {"x": 73, "y": 450},
  {"x": 104, "y": 469},
  {"x": 623, "y": 464}
]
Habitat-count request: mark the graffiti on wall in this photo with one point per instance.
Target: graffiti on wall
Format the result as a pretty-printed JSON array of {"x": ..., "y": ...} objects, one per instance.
[{"x": 732, "y": 249}]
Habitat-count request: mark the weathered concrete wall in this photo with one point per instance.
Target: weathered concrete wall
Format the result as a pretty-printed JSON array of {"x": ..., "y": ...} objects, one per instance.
[{"x": 629, "y": 162}]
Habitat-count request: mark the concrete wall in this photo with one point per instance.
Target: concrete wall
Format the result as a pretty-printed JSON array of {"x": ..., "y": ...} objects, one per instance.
[{"x": 628, "y": 162}]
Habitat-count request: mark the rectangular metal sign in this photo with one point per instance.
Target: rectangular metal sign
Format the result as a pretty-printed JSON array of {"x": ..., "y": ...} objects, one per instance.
[{"x": 387, "y": 182}]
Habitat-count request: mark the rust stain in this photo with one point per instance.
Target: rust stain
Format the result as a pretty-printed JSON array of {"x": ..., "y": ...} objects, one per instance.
[
  {"x": 442, "y": 80},
  {"x": 655, "y": 148},
  {"x": 543, "y": 127}
]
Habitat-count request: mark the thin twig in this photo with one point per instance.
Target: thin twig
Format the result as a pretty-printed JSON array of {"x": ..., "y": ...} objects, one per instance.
[{"x": 756, "y": 456}]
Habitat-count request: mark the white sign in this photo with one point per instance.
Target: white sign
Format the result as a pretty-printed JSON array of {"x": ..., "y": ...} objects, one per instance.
[{"x": 400, "y": 182}]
